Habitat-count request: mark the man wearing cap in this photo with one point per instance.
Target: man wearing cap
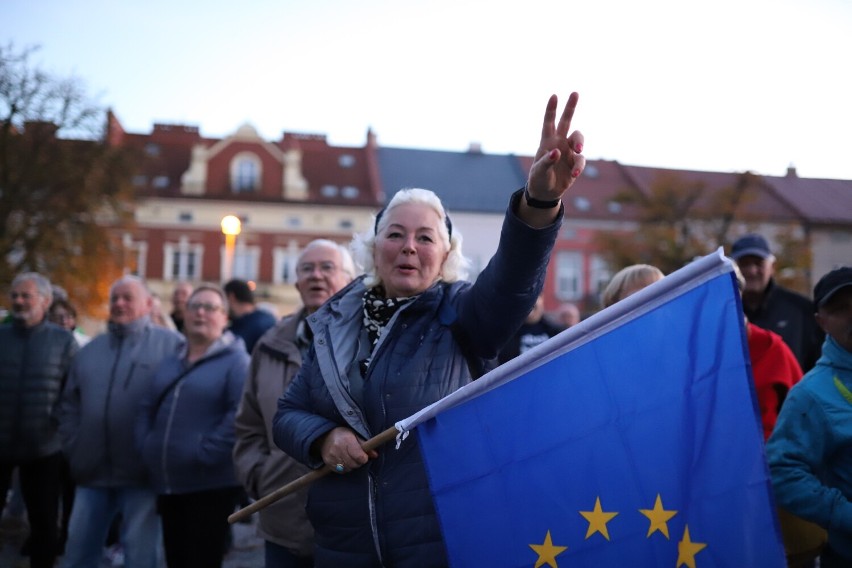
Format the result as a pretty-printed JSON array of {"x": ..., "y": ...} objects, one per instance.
[
  {"x": 809, "y": 450},
  {"x": 768, "y": 305}
]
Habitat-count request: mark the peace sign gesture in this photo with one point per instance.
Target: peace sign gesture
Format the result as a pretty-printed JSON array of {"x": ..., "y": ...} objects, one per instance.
[{"x": 558, "y": 162}]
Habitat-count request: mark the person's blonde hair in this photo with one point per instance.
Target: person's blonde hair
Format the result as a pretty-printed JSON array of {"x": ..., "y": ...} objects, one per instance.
[
  {"x": 210, "y": 287},
  {"x": 627, "y": 278},
  {"x": 363, "y": 245}
]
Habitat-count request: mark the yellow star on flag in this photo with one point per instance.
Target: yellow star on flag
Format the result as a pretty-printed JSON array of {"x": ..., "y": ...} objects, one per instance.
[
  {"x": 659, "y": 518},
  {"x": 597, "y": 520},
  {"x": 547, "y": 552},
  {"x": 686, "y": 550}
]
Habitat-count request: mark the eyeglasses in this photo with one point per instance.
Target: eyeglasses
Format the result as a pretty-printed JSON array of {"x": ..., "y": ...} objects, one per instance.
[
  {"x": 22, "y": 295},
  {"x": 204, "y": 307},
  {"x": 308, "y": 268}
]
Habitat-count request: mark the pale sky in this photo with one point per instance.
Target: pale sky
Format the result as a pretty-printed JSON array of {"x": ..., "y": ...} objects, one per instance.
[{"x": 721, "y": 85}]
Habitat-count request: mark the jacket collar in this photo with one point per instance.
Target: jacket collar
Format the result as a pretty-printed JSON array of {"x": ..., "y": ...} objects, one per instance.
[
  {"x": 833, "y": 355},
  {"x": 132, "y": 328}
]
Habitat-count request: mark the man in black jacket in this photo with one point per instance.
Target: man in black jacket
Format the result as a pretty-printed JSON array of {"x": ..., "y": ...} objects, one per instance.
[
  {"x": 35, "y": 356},
  {"x": 771, "y": 306}
]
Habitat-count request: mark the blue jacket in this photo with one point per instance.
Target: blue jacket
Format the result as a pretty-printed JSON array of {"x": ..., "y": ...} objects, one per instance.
[
  {"x": 109, "y": 377},
  {"x": 810, "y": 450},
  {"x": 382, "y": 513},
  {"x": 252, "y": 326},
  {"x": 186, "y": 425}
]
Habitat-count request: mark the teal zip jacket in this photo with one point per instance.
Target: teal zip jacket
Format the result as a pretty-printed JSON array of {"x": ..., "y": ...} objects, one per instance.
[{"x": 810, "y": 450}]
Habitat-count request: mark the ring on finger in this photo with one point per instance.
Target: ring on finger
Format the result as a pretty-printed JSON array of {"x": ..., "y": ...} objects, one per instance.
[{"x": 339, "y": 468}]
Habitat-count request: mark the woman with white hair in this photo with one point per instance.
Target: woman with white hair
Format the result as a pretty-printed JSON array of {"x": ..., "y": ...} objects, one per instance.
[{"x": 403, "y": 336}]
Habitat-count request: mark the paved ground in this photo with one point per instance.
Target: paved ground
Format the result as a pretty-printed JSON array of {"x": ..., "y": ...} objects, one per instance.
[{"x": 246, "y": 552}]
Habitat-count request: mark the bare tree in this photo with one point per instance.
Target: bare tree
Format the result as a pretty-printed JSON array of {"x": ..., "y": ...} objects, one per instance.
[
  {"x": 64, "y": 193},
  {"x": 679, "y": 220}
]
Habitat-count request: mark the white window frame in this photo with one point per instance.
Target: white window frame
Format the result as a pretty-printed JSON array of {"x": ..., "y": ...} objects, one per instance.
[
  {"x": 568, "y": 276},
  {"x": 182, "y": 248},
  {"x": 238, "y": 163},
  {"x": 139, "y": 249},
  {"x": 246, "y": 263},
  {"x": 284, "y": 260},
  {"x": 600, "y": 274}
]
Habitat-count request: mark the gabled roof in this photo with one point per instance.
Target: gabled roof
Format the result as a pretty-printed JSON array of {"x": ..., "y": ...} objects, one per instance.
[
  {"x": 820, "y": 201},
  {"x": 762, "y": 203},
  {"x": 167, "y": 151},
  {"x": 344, "y": 168},
  {"x": 595, "y": 194},
  {"x": 465, "y": 181},
  {"x": 335, "y": 175}
]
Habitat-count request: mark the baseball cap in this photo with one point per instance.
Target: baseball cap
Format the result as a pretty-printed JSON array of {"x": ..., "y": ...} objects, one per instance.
[
  {"x": 830, "y": 284},
  {"x": 750, "y": 245}
]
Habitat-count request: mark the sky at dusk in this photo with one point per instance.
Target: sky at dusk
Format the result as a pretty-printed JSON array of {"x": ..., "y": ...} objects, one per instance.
[{"x": 728, "y": 85}]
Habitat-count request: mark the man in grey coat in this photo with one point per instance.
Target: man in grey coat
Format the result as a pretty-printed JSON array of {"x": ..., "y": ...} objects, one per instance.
[
  {"x": 97, "y": 417},
  {"x": 323, "y": 268},
  {"x": 35, "y": 355}
]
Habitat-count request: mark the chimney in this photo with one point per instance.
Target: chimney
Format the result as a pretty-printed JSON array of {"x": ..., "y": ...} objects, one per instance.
[
  {"x": 791, "y": 171},
  {"x": 474, "y": 148}
]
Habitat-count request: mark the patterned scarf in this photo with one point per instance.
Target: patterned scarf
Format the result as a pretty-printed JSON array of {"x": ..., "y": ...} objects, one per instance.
[{"x": 378, "y": 311}]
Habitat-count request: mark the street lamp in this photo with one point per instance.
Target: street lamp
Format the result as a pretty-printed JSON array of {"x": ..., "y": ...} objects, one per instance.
[{"x": 231, "y": 227}]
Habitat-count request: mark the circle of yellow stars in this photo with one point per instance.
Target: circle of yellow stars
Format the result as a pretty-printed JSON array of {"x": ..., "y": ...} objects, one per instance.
[{"x": 597, "y": 518}]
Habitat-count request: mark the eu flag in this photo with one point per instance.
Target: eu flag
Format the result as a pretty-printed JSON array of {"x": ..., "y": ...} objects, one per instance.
[{"x": 632, "y": 439}]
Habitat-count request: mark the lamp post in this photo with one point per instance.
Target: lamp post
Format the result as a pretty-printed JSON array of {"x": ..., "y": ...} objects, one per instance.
[{"x": 231, "y": 227}]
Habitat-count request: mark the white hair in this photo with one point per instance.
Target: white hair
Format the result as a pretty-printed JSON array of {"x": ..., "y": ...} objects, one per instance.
[
  {"x": 363, "y": 245},
  {"x": 346, "y": 262},
  {"x": 131, "y": 279},
  {"x": 42, "y": 283}
]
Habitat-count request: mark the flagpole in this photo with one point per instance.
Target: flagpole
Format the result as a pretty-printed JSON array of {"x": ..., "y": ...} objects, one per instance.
[{"x": 371, "y": 444}]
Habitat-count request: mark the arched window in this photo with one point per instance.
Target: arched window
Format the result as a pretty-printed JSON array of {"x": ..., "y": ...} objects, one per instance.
[{"x": 245, "y": 173}]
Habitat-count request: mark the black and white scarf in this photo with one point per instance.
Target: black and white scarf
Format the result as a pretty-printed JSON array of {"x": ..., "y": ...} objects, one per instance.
[{"x": 378, "y": 311}]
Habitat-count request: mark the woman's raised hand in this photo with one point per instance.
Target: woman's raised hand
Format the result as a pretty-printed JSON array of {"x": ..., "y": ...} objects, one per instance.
[{"x": 558, "y": 161}]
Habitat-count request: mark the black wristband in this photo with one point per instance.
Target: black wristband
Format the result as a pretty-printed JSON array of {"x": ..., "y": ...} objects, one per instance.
[{"x": 537, "y": 203}]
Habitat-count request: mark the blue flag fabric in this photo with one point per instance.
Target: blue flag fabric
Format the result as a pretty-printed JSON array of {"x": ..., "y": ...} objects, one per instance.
[{"x": 631, "y": 440}]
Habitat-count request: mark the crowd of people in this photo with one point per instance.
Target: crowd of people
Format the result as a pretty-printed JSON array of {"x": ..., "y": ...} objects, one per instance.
[{"x": 150, "y": 434}]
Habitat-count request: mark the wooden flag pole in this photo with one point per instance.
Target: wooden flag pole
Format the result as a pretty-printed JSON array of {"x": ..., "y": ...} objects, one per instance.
[{"x": 373, "y": 443}]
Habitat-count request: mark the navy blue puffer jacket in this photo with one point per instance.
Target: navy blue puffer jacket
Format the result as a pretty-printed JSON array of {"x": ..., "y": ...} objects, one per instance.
[{"x": 382, "y": 514}]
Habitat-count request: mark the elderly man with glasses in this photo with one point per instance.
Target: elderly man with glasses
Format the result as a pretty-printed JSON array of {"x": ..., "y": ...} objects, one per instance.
[{"x": 324, "y": 267}]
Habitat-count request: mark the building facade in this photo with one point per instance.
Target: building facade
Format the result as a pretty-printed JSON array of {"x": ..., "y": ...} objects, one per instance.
[{"x": 300, "y": 187}]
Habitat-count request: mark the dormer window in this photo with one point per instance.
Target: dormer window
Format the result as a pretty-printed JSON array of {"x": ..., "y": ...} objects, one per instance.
[{"x": 245, "y": 173}]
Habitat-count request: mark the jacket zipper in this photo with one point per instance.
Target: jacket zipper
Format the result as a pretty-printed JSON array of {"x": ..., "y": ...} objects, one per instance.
[
  {"x": 372, "y": 487},
  {"x": 166, "y": 434},
  {"x": 107, "y": 446}
]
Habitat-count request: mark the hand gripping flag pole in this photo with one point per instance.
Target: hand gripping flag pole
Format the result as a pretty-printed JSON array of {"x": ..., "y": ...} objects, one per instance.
[{"x": 267, "y": 500}]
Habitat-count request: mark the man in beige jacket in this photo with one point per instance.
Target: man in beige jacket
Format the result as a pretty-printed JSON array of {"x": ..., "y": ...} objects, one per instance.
[{"x": 324, "y": 267}]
